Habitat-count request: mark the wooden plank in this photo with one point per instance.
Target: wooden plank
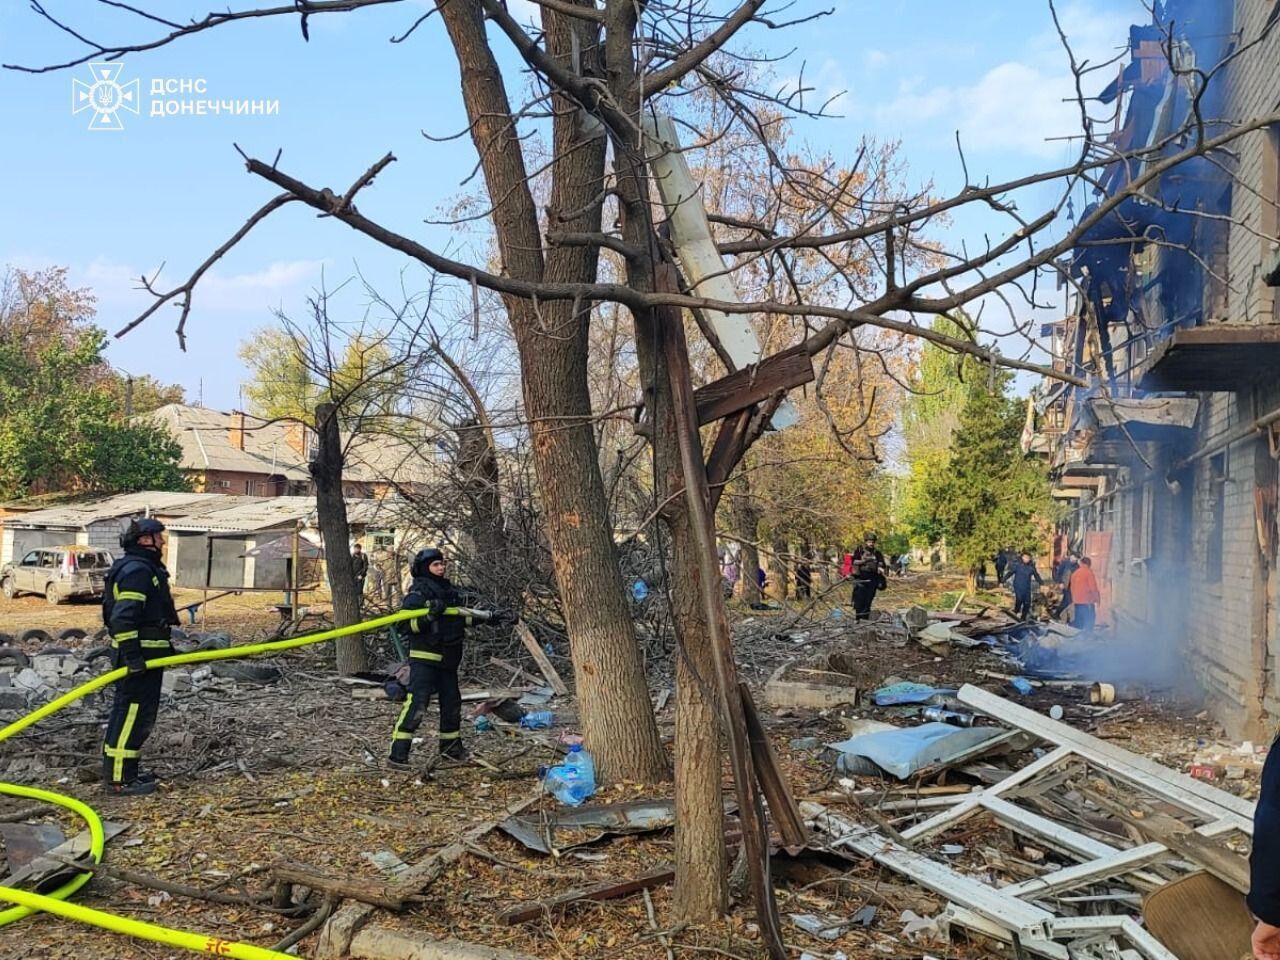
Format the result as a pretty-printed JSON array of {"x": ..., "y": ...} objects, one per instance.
[
  {"x": 608, "y": 890},
  {"x": 695, "y": 245},
  {"x": 777, "y": 791},
  {"x": 540, "y": 658},
  {"x": 726, "y": 451},
  {"x": 1177, "y": 836},
  {"x": 754, "y": 384}
]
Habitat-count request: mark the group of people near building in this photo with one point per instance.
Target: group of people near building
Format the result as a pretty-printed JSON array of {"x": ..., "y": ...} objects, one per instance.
[
  {"x": 1073, "y": 574},
  {"x": 139, "y": 614}
]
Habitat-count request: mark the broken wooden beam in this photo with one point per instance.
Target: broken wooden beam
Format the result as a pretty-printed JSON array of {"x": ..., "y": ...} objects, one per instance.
[
  {"x": 365, "y": 891},
  {"x": 1179, "y": 837},
  {"x": 541, "y": 659},
  {"x": 608, "y": 890},
  {"x": 777, "y": 791},
  {"x": 753, "y": 384}
]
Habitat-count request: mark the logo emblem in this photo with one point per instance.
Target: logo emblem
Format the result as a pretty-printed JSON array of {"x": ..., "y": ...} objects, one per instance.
[{"x": 106, "y": 96}]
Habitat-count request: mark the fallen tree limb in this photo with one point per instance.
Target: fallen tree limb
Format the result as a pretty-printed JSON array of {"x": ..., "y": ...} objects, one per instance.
[
  {"x": 365, "y": 891},
  {"x": 312, "y": 924},
  {"x": 336, "y": 936},
  {"x": 609, "y": 890},
  {"x": 176, "y": 889}
]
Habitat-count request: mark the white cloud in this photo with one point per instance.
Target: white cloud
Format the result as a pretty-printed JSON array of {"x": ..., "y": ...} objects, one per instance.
[
  {"x": 1019, "y": 104},
  {"x": 117, "y": 285}
]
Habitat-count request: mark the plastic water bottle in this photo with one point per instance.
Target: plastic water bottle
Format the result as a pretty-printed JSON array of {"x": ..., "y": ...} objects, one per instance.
[
  {"x": 538, "y": 720},
  {"x": 585, "y": 764},
  {"x": 574, "y": 780}
]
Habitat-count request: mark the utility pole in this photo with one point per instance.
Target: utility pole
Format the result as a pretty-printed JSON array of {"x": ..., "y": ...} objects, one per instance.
[{"x": 128, "y": 396}]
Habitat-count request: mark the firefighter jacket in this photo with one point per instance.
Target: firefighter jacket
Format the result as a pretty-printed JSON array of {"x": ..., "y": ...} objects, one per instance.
[
  {"x": 137, "y": 607},
  {"x": 436, "y": 638}
]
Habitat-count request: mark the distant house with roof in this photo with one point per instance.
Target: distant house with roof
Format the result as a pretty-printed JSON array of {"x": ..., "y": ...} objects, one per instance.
[
  {"x": 215, "y": 540},
  {"x": 238, "y": 454}
]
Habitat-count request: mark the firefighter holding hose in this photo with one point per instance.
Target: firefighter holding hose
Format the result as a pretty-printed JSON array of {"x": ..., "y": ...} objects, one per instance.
[
  {"x": 138, "y": 611},
  {"x": 435, "y": 652}
]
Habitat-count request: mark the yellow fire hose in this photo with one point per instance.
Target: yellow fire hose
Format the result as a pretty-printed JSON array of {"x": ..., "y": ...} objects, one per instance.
[{"x": 55, "y": 902}]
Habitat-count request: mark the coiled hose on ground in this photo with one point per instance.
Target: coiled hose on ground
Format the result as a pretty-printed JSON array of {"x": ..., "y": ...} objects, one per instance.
[{"x": 55, "y": 902}]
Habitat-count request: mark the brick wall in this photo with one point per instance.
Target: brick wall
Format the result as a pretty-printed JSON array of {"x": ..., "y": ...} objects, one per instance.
[
  {"x": 1253, "y": 90},
  {"x": 1226, "y": 637}
]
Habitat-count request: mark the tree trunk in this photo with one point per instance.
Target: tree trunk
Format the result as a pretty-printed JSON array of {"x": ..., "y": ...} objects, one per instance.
[
  {"x": 746, "y": 522},
  {"x": 477, "y": 466},
  {"x": 613, "y": 698},
  {"x": 701, "y": 887},
  {"x": 779, "y": 579},
  {"x": 331, "y": 510}
]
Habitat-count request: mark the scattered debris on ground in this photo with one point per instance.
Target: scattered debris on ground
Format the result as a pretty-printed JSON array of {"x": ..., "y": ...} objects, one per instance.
[{"x": 945, "y": 812}]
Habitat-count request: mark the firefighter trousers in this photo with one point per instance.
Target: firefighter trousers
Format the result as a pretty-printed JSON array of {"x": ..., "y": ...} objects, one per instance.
[
  {"x": 428, "y": 678},
  {"x": 133, "y": 715}
]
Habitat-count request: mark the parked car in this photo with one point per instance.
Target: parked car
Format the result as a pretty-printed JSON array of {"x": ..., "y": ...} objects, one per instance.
[{"x": 59, "y": 573}]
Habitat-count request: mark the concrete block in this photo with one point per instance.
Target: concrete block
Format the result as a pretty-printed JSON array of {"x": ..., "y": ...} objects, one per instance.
[
  {"x": 781, "y": 692},
  {"x": 375, "y": 942},
  {"x": 28, "y": 679},
  {"x": 54, "y": 666},
  {"x": 176, "y": 681},
  {"x": 13, "y": 698}
]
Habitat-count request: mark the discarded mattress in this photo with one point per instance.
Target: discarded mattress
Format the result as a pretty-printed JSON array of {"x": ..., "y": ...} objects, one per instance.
[{"x": 905, "y": 750}]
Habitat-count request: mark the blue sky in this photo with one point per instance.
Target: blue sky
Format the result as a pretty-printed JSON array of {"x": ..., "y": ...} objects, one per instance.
[{"x": 168, "y": 190}]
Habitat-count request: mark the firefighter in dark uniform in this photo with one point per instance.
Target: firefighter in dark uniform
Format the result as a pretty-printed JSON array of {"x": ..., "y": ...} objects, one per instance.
[
  {"x": 868, "y": 576},
  {"x": 138, "y": 611},
  {"x": 435, "y": 651}
]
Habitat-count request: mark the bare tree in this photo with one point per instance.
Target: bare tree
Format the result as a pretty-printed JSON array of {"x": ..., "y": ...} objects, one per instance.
[{"x": 599, "y": 72}]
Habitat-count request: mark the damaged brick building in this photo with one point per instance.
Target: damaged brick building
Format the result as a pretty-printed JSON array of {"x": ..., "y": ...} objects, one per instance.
[{"x": 1167, "y": 464}]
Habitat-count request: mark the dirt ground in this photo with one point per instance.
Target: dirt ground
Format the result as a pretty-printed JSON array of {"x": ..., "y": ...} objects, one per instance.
[
  {"x": 292, "y": 771},
  {"x": 248, "y": 614}
]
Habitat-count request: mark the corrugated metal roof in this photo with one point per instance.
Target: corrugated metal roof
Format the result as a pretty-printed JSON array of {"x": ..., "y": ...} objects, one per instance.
[
  {"x": 250, "y": 514},
  {"x": 80, "y": 515},
  {"x": 203, "y": 511}
]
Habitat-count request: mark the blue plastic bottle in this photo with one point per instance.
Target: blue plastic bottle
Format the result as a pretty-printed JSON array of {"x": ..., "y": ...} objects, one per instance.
[
  {"x": 582, "y": 761},
  {"x": 574, "y": 780},
  {"x": 538, "y": 720}
]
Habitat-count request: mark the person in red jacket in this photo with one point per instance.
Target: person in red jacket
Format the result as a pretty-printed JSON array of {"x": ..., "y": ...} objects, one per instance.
[{"x": 1085, "y": 595}]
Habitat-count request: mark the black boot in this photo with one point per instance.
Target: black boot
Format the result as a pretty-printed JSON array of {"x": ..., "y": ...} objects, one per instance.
[
  {"x": 399, "y": 758},
  {"x": 453, "y": 750}
]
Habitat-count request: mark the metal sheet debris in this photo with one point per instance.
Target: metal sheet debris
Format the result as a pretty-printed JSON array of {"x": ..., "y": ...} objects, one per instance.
[{"x": 580, "y": 827}]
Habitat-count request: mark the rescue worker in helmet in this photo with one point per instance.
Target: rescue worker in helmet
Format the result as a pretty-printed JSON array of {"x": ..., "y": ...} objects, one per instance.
[
  {"x": 138, "y": 612},
  {"x": 435, "y": 652}
]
